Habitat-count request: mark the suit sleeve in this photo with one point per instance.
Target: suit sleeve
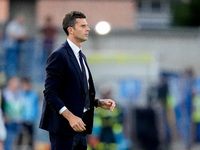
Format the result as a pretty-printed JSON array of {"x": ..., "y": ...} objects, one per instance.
[{"x": 54, "y": 70}]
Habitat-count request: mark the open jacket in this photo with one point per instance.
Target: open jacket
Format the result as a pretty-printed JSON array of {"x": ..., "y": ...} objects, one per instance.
[{"x": 64, "y": 87}]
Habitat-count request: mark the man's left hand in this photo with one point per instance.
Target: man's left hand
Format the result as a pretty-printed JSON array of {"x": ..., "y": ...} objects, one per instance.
[{"x": 106, "y": 104}]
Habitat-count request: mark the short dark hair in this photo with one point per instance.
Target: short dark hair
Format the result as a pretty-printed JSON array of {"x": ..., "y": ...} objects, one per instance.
[
  {"x": 25, "y": 80},
  {"x": 70, "y": 19}
]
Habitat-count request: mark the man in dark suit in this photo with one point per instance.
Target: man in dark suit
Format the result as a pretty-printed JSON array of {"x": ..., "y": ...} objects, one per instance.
[{"x": 69, "y": 93}]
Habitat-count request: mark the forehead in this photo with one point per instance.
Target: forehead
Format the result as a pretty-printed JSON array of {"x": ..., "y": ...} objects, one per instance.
[{"x": 80, "y": 21}]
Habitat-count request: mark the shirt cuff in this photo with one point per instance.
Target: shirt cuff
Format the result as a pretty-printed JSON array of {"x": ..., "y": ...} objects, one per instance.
[{"x": 62, "y": 109}]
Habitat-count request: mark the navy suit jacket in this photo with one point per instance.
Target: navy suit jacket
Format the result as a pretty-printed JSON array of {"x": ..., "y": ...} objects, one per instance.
[{"x": 64, "y": 87}]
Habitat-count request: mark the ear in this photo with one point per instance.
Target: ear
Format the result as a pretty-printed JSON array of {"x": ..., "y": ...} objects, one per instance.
[{"x": 70, "y": 30}]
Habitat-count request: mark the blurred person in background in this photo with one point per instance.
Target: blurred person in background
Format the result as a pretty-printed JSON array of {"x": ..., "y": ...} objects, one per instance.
[
  {"x": 29, "y": 113},
  {"x": 49, "y": 32},
  {"x": 12, "y": 110},
  {"x": 15, "y": 35},
  {"x": 2, "y": 126},
  {"x": 107, "y": 137},
  {"x": 108, "y": 132},
  {"x": 163, "y": 113},
  {"x": 184, "y": 108},
  {"x": 68, "y": 108}
]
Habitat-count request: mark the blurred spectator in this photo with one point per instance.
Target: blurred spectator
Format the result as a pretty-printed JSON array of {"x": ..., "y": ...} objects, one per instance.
[
  {"x": 16, "y": 34},
  {"x": 108, "y": 119},
  {"x": 12, "y": 109},
  {"x": 0, "y": 35},
  {"x": 108, "y": 129},
  {"x": 146, "y": 128},
  {"x": 29, "y": 114},
  {"x": 162, "y": 94},
  {"x": 2, "y": 127},
  {"x": 49, "y": 32},
  {"x": 163, "y": 91},
  {"x": 196, "y": 111},
  {"x": 184, "y": 109}
]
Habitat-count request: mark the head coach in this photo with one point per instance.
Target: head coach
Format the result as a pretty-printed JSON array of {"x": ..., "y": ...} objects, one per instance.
[{"x": 69, "y": 94}]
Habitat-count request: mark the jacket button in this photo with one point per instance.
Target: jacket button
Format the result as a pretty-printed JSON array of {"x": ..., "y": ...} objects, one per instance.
[{"x": 84, "y": 95}]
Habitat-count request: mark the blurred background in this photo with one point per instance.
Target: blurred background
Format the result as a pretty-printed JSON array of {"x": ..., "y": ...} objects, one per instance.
[{"x": 144, "y": 54}]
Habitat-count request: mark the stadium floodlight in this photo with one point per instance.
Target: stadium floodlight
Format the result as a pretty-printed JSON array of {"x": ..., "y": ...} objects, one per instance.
[{"x": 102, "y": 27}]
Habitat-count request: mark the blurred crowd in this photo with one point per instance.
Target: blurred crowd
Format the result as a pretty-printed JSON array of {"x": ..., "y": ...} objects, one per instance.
[
  {"x": 18, "y": 52},
  {"x": 175, "y": 113},
  {"x": 172, "y": 113},
  {"x": 19, "y": 103}
]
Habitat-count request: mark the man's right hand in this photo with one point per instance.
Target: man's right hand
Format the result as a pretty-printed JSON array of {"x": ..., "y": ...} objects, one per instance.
[{"x": 75, "y": 122}]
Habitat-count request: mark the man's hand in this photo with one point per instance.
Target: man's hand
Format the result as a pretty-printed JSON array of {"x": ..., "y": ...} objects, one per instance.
[
  {"x": 75, "y": 122},
  {"x": 106, "y": 104}
]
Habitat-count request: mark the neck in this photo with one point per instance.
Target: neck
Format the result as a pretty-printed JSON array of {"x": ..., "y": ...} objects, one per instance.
[{"x": 75, "y": 41}]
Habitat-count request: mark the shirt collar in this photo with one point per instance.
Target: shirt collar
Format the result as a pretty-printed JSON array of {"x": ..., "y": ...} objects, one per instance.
[{"x": 75, "y": 48}]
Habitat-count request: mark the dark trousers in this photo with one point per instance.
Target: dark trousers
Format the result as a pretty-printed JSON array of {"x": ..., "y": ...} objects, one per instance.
[
  {"x": 26, "y": 134},
  {"x": 62, "y": 142}
]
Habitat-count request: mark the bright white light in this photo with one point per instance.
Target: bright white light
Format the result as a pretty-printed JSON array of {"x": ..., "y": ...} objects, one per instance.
[{"x": 102, "y": 27}]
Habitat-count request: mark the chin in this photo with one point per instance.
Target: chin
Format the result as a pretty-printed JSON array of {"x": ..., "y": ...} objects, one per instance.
[{"x": 84, "y": 39}]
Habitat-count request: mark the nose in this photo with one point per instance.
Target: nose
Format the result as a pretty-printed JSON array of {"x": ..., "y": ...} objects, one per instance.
[{"x": 88, "y": 28}]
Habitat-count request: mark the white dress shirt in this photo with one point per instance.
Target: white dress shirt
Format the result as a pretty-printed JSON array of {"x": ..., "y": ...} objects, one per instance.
[{"x": 76, "y": 50}]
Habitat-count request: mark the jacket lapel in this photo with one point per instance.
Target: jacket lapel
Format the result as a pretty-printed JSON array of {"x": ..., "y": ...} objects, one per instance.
[{"x": 74, "y": 62}]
